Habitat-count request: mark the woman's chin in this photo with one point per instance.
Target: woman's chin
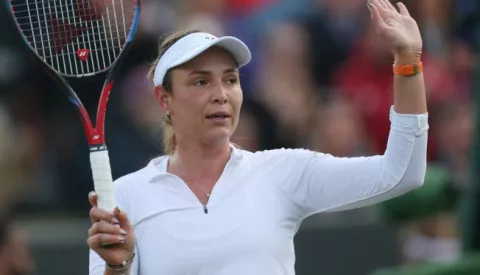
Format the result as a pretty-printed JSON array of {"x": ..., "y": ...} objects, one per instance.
[{"x": 219, "y": 134}]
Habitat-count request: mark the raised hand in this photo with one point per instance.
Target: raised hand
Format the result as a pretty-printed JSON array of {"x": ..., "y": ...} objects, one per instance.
[
  {"x": 111, "y": 234},
  {"x": 398, "y": 28}
]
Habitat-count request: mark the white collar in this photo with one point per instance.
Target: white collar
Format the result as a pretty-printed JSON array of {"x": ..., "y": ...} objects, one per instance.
[{"x": 157, "y": 167}]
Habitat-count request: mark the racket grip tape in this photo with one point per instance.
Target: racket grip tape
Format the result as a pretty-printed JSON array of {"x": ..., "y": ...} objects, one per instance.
[{"x": 102, "y": 179}]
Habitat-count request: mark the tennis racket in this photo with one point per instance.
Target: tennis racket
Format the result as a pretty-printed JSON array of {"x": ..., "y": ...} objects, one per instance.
[{"x": 76, "y": 39}]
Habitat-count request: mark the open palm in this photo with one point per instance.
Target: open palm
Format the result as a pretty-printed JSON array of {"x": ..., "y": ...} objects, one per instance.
[{"x": 398, "y": 28}]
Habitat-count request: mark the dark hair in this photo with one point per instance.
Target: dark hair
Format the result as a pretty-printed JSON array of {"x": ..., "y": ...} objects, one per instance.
[{"x": 169, "y": 140}]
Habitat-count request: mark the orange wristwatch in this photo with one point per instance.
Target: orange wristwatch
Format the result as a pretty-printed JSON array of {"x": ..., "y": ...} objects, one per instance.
[{"x": 406, "y": 70}]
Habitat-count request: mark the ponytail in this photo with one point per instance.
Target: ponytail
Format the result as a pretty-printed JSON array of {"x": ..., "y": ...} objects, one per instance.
[{"x": 169, "y": 140}]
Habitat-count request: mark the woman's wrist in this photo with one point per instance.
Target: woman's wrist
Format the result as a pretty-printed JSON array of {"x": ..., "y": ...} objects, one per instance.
[
  {"x": 408, "y": 58},
  {"x": 122, "y": 271},
  {"x": 123, "y": 268}
]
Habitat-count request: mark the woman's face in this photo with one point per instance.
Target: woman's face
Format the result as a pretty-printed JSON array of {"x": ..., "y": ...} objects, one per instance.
[{"x": 206, "y": 98}]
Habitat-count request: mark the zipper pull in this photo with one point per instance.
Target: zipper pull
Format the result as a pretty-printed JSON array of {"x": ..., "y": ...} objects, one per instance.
[{"x": 205, "y": 209}]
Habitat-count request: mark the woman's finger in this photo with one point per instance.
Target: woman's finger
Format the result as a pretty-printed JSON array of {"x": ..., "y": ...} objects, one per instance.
[
  {"x": 380, "y": 4},
  {"x": 103, "y": 227},
  {"x": 98, "y": 214},
  {"x": 377, "y": 18},
  {"x": 123, "y": 219},
  {"x": 389, "y": 5},
  {"x": 101, "y": 240},
  {"x": 403, "y": 9}
]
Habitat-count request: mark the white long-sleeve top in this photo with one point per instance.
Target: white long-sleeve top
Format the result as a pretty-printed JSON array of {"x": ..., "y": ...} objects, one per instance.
[{"x": 258, "y": 204}]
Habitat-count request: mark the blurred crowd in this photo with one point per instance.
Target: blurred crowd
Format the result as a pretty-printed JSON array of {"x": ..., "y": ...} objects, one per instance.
[{"x": 320, "y": 79}]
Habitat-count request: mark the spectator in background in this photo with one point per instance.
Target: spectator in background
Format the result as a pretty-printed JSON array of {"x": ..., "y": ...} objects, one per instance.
[
  {"x": 285, "y": 86},
  {"x": 246, "y": 7},
  {"x": 366, "y": 79},
  {"x": 340, "y": 130},
  {"x": 15, "y": 160},
  {"x": 462, "y": 63},
  {"x": 257, "y": 128},
  {"x": 158, "y": 17},
  {"x": 135, "y": 121},
  {"x": 467, "y": 21},
  {"x": 434, "y": 22},
  {"x": 15, "y": 258},
  {"x": 205, "y": 15},
  {"x": 15, "y": 172},
  {"x": 454, "y": 128},
  {"x": 331, "y": 30}
]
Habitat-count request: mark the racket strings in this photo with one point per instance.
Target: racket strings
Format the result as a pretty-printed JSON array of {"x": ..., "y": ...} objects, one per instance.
[
  {"x": 66, "y": 54},
  {"x": 77, "y": 4},
  {"x": 80, "y": 13},
  {"x": 71, "y": 34},
  {"x": 77, "y": 29},
  {"x": 42, "y": 24},
  {"x": 75, "y": 38}
]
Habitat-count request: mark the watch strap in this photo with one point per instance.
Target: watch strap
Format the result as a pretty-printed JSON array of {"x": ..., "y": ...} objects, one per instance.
[
  {"x": 406, "y": 70},
  {"x": 123, "y": 267}
]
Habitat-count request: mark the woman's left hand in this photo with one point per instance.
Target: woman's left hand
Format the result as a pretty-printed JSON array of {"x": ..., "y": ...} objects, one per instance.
[{"x": 398, "y": 28}]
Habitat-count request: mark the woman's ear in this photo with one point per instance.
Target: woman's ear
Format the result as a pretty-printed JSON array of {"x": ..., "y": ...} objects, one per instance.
[{"x": 163, "y": 98}]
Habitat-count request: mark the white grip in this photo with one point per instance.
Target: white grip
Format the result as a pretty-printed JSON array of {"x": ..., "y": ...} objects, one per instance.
[{"x": 102, "y": 179}]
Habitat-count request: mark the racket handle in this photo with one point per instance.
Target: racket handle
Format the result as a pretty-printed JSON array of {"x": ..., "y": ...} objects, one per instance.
[{"x": 102, "y": 179}]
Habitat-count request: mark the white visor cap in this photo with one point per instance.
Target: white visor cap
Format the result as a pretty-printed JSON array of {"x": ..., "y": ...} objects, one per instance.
[{"x": 193, "y": 45}]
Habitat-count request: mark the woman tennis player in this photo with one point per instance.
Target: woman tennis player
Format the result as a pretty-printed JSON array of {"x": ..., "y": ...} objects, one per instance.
[{"x": 208, "y": 208}]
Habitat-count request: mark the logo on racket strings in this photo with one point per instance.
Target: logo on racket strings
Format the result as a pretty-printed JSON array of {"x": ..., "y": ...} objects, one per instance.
[{"x": 83, "y": 54}]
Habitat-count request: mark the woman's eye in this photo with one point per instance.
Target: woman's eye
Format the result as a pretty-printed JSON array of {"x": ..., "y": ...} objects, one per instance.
[
  {"x": 200, "y": 83},
  {"x": 232, "y": 80}
]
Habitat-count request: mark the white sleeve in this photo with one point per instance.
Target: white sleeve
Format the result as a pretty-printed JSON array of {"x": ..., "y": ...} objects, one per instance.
[
  {"x": 327, "y": 183},
  {"x": 96, "y": 264}
]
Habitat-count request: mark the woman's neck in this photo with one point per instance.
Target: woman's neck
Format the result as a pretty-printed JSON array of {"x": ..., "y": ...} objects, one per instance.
[{"x": 193, "y": 162}]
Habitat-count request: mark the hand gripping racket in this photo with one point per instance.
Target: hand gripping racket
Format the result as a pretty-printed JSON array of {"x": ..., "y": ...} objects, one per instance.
[{"x": 76, "y": 39}]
